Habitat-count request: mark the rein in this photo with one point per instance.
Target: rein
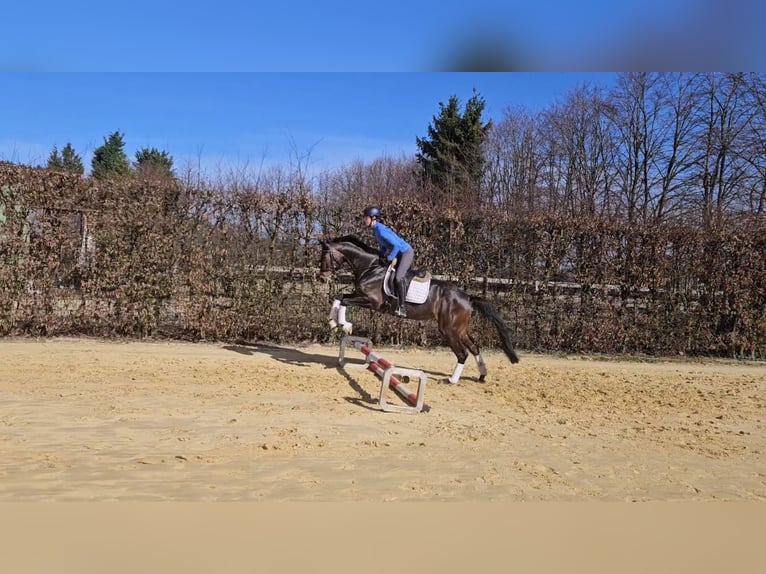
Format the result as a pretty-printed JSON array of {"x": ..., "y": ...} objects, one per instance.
[{"x": 330, "y": 263}]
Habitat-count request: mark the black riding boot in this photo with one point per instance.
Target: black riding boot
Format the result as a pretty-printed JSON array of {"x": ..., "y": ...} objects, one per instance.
[{"x": 400, "y": 295}]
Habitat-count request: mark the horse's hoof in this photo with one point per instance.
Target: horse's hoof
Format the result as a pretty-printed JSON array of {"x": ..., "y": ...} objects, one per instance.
[
  {"x": 482, "y": 377},
  {"x": 347, "y": 327},
  {"x": 333, "y": 324},
  {"x": 448, "y": 381}
]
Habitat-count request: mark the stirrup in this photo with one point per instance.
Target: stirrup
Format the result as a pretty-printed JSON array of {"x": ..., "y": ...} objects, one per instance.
[{"x": 400, "y": 312}]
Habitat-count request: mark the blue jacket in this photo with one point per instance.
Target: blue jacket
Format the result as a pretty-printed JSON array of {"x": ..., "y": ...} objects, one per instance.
[{"x": 390, "y": 243}]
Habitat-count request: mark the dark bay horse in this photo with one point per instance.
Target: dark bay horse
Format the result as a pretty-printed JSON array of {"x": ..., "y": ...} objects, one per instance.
[{"x": 446, "y": 303}]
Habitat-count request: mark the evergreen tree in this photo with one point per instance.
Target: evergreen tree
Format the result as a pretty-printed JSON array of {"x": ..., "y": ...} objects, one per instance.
[
  {"x": 71, "y": 160},
  {"x": 110, "y": 159},
  {"x": 152, "y": 162},
  {"x": 55, "y": 162},
  {"x": 68, "y": 160},
  {"x": 452, "y": 156}
]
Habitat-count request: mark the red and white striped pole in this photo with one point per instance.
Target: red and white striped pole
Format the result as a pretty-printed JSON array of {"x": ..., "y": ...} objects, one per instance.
[
  {"x": 386, "y": 372},
  {"x": 378, "y": 365}
]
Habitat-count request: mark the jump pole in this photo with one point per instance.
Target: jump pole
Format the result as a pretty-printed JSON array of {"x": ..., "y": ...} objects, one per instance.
[{"x": 387, "y": 373}]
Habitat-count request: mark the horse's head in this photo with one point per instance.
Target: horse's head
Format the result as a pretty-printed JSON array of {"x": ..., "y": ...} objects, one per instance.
[
  {"x": 345, "y": 249},
  {"x": 329, "y": 261}
]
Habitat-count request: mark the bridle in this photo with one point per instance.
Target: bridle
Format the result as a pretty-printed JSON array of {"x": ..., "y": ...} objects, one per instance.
[{"x": 329, "y": 263}]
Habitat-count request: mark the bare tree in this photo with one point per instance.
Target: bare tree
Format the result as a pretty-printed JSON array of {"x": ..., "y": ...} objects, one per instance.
[
  {"x": 579, "y": 145},
  {"x": 755, "y": 144},
  {"x": 635, "y": 108},
  {"x": 345, "y": 191},
  {"x": 512, "y": 168},
  {"x": 723, "y": 119},
  {"x": 677, "y": 152}
]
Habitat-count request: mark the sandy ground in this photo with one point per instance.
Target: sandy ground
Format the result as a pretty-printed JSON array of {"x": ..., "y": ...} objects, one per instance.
[{"x": 85, "y": 420}]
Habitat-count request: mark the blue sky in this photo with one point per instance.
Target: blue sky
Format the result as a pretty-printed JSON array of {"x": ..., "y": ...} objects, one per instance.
[
  {"x": 239, "y": 119},
  {"x": 397, "y": 35}
]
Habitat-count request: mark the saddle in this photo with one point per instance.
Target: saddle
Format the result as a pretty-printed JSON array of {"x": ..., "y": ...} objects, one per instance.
[{"x": 417, "y": 284}]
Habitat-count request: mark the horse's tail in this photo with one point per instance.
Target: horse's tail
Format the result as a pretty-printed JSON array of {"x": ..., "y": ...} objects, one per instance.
[{"x": 487, "y": 310}]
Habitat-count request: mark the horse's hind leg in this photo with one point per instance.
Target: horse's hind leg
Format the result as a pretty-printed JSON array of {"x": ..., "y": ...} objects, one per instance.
[
  {"x": 474, "y": 349},
  {"x": 454, "y": 340}
]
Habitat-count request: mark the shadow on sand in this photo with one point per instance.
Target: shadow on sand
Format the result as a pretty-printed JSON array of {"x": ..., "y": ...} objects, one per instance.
[
  {"x": 296, "y": 357},
  {"x": 287, "y": 355}
]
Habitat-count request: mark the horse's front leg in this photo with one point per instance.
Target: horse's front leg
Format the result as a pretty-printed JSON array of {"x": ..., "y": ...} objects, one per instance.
[
  {"x": 338, "y": 311},
  {"x": 334, "y": 313}
]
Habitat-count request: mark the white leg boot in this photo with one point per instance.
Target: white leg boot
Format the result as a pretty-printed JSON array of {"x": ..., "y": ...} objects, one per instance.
[
  {"x": 456, "y": 374},
  {"x": 334, "y": 313},
  {"x": 347, "y": 327}
]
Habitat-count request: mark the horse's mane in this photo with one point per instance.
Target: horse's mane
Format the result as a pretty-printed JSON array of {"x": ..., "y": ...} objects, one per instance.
[{"x": 353, "y": 239}]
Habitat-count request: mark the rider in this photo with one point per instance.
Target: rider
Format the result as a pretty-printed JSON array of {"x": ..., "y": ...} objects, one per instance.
[{"x": 392, "y": 247}]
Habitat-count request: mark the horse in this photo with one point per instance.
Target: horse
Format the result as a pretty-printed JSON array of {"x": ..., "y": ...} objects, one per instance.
[{"x": 444, "y": 302}]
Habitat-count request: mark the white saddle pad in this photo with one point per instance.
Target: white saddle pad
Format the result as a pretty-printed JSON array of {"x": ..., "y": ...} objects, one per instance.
[{"x": 417, "y": 292}]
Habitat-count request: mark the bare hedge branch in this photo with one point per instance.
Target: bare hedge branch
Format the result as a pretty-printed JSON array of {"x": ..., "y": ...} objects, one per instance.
[{"x": 152, "y": 258}]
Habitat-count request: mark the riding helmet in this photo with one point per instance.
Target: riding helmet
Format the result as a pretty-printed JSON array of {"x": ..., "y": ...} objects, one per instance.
[{"x": 372, "y": 211}]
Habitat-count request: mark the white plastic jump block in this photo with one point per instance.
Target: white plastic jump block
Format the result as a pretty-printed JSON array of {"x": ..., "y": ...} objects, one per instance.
[{"x": 387, "y": 373}]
